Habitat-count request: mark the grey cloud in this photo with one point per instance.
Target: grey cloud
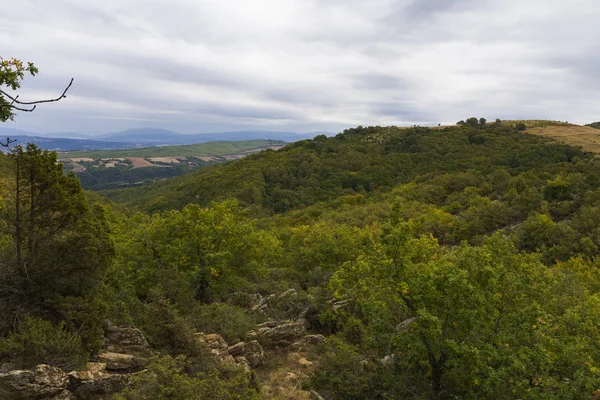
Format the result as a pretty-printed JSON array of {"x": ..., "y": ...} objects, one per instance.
[{"x": 291, "y": 64}]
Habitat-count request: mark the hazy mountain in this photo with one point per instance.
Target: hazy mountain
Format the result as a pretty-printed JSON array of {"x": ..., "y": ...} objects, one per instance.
[
  {"x": 65, "y": 144},
  {"x": 161, "y": 136},
  {"x": 142, "y": 137}
]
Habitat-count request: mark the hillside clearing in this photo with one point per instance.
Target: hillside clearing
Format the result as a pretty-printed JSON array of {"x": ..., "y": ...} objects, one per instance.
[{"x": 575, "y": 135}]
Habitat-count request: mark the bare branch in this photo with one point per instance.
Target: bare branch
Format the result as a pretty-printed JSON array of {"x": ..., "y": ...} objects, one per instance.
[
  {"x": 7, "y": 142},
  {"x": 29, "y": 103}
]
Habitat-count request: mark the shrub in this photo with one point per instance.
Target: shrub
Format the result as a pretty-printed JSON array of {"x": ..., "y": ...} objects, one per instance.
[
  {"x": 167, "y": 378},
  {"x": 37, "y": 341},
  {"x": 228, "y": 320},
  {"x": 520, "y": 126}
]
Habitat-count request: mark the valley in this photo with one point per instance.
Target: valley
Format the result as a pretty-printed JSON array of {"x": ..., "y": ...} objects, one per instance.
[
  {"x": 110, "y": 169},
  {"x": 382, "y": 262}
]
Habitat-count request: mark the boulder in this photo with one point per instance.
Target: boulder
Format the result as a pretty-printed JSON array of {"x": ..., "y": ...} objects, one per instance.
[
  {"x": 122, "y": 362},
  {"x": 217, "y": 345},
  {"x": 338, "y": 305},
  {"x": 254, "y": 353},
  {"x": 306, "y": 341},
  {"x": 126, "y": 340},
  {"x": 43, "y": 382},
  {"x": 213, "y": 341},
  {"x": 285, "y": 332},
  {"x": 405, "y": 325},
  {"x": 237, "y": 349},
  {"x": 95, "y": 383},
  {"x": 268, "y": 324},
  {"x": 289, "y": 292}
]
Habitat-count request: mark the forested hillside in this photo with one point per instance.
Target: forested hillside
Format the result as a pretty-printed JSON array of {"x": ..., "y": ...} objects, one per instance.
[
  {"x": 360, "y": 160},
  {"x": 440, "y": 263}
]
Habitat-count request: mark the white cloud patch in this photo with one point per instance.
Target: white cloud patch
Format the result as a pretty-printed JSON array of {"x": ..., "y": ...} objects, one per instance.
[{"x": 199, "y": 66}]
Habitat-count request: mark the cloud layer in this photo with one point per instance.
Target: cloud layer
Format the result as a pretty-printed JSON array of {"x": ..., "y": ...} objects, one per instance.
[{"x": 303, "y": 65}]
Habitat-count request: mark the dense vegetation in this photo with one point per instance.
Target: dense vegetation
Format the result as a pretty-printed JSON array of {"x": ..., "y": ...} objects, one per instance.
[
  {"x": 594, "y": 125},
  {"x": 360, "y": 160},
  {"x": 190, "y": 150},
  {"x": 112, "y": 169},
  {"x": 466, "y": 257}
]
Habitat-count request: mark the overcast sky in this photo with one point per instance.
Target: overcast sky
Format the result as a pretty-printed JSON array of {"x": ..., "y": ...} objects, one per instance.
[{"x": 303, "y": 65}]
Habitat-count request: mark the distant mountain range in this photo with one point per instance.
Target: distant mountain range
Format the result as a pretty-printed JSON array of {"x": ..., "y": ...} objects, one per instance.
[{"x": 145, "y": 137}]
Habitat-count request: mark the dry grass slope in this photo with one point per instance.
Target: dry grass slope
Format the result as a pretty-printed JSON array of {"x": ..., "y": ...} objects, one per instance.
[{"x": 575, "y": 135}]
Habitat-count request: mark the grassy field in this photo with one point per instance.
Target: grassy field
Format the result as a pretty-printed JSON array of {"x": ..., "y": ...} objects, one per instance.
[
  {"x": 575, "y": 135},
  {"x": 201, "y": 149}
]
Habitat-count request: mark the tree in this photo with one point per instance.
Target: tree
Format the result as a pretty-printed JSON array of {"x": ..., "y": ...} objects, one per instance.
[
  {"x": 54, "y": 247},
  {"x": 474, "y": 122},
  {"x": 520, "y": 126},
  {"x": 472, "y": 322},
  {"x": 482, "y": 121},
  {"x": 12, "y": 72}
]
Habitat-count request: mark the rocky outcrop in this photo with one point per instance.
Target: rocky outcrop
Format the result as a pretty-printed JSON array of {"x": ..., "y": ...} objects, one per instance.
[
  {"x": 307, "y": 341},
  {"x": 125, "y": 348},
  {"x": 252, "y": 352},
  {"x": 42, "y": 382},
  {"x": 126, "y": 352},
  {"x": 217, "y": 347},
  {"x": 125, "y": 340},
  {"x": 405, "y": 325},
  {"x": 281, "y": 335},
  {"x": 122, "y": 362},
  {"x": 96, "y": 383}
]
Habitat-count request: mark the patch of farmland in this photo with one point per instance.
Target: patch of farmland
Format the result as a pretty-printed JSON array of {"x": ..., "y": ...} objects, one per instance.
[
  {"x": 139, "y": 162},
  {"x": 166, "y": 160}
]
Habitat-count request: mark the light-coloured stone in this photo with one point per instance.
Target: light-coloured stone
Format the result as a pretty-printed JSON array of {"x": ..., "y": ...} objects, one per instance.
[
  {"x": 254, "y": 353},
  {"x": 405, "y": 325},
  {"x": 306, "y": 341},
  {"x": 289, "y": 292},
  {"x": 126, "y": 340},
  {"x": 284, "y": 332},
  {"x": 236, "y": 349},
  {"x": 43, "y": 381},
  {"x": 120, "y": 361}
]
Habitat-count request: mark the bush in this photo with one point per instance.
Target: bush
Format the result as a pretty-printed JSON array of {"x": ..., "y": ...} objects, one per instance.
[
  {"x": 167, "y": 379},
  {"x": 520, "y": 126},
  {"x": 166, "y": 330},
  {"x": 228, "y": 320},
  {"x": 37, "y": 341},
  {"x": 345, "y": 374}
]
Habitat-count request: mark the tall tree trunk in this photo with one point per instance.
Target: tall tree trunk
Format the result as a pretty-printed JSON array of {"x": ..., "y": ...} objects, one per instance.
[
  {"x": 437, "y": 369},
  {"x": 18, "y": 234},
  {"x": 32, "y": 199}
]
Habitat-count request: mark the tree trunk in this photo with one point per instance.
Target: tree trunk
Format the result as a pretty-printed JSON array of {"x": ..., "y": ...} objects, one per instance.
[{"x": 18, "y": 233}]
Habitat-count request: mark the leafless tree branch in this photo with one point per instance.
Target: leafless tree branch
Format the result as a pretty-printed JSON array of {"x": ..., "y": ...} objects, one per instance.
[
  {"x": 15, "y": 100},
  {"x": 7, "y": 142}
]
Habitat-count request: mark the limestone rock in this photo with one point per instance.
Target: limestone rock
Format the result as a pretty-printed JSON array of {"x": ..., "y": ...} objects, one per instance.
[
  {"x": 251, "y": 335},
  {"x": 43, "y": 382},
  {"x": 289, "y": 292},
  {"x": 254, "y": 353},
  {"x": 340, "y": 304},
  {"x": 307, "y": 341},
  {"x": 122, "y": 362},
  {"x": 405, "y": 325},
  {"x": 268, "y": 324},
  {"x": 126, "y": 340},
  {"x": 288, "y": 332},
  {"x": 251, "y": 352},
  {"x": 237, "y": 349},
  {"x": 213, "y": 341},
  {"x": 217, "y": 346}
]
